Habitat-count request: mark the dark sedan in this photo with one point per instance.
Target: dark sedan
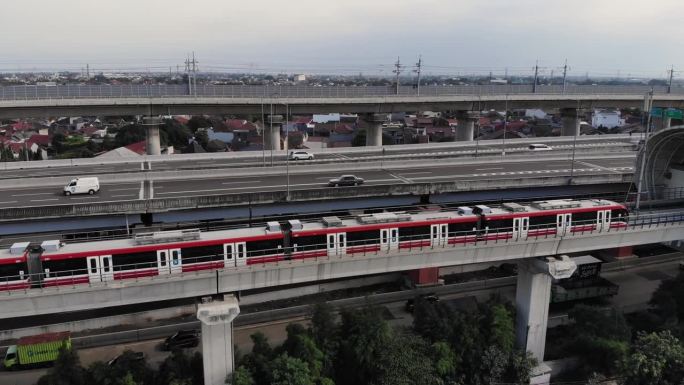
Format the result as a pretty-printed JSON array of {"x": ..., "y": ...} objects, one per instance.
[
  {"x": 182, "y": 339},
  {"x": 346, "y": 180}
]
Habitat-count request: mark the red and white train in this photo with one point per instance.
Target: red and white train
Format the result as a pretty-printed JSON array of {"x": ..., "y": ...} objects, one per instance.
[{"x": 182, "y": 251}]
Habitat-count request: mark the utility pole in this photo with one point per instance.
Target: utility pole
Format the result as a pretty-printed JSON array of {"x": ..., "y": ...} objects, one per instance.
[
  {"x": 397, "y": 71},
  {"x": 648, "y": 106},
  {"x": 419, "y": 65},
  {"x": 191, "y": 69},
  {"x": 669, "y": 83},
  {"x": 87, "y": 71},
  {"x": 536, "y": 73},
  {"x": 565, "y": 74}
]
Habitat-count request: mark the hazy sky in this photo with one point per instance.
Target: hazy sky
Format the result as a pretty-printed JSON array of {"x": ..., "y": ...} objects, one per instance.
[{"x": 600, "y": 36}]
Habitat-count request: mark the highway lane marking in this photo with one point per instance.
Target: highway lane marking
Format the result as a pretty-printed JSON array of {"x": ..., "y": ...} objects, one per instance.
[
  {"x": 405, "y": 180},
  {"x": 124, "y": 195},
  {"x": 264, "y": 187},
  {"x": 416, "y": 173},
  {"x": 243, "y": 182},
  {"x": 141, "y": 194},
  {"x": 88, "y": 197},
  {"x": 597, "y": 166},
  {"x": 27, "y": 195},
  {"x": 123, "y": 189},
  {"x": 490, "y": 168},
  {"x": 44, "y": 200},
  {"x": 7, "y": 202},
  {"x": 151, "y": 189}
]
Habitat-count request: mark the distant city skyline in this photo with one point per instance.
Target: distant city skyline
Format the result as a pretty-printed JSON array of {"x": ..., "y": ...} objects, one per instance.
[{"x": 601, "y": 37}]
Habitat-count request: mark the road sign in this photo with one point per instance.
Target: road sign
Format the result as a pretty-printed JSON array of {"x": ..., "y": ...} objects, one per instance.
[{"x": 667, "y": 112}]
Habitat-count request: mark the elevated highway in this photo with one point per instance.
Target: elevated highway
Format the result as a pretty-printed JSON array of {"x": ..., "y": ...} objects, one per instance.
[
  {"x": 160, "y": 191},
  {"x": 651, "y": 227},
  {"x": 36, "y": 101}
]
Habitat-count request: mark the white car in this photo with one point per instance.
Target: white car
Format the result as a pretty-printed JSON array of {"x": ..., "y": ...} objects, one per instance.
[
  {"x": 539, "y": 147},
  {"x": 301, "y": 155},
  {"x": 82, "y": 186}
]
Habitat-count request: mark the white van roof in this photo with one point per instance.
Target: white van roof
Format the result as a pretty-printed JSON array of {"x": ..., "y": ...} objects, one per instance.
[{"x": 88, "y": 180}]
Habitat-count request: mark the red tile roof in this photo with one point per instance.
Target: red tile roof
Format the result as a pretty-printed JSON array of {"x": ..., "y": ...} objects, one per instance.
[
  {"x": 41, "y": 140},
  {"x": 139, "y": 147}
]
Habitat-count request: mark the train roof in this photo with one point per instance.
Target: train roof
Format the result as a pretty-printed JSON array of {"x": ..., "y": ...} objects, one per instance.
[
  {"x": 152, "y": 241},
  {"x": 14, "y": 254},
  {"x": 384, "y": 220},
  {"x": 550, "y": 207}
]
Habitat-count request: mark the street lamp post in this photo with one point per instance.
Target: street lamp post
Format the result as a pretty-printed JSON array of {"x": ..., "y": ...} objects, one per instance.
[
  {"x": 287, "y": 145},
  {"x": 505, "y": 127},
  {"x": 574, "y": 145}
]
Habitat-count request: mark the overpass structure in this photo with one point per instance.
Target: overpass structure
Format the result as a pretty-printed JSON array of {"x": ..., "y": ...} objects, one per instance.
[
  {"x": 375, "y": 102},
  {"x": 534, "y": 279}
]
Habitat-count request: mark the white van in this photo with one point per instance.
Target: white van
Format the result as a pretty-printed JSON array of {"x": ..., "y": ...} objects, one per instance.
[{"x": 82, "y": 186}]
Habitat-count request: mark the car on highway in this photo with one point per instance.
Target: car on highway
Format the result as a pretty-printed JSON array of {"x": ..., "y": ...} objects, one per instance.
[
  {"x": 300, "y": 155},
  {"x": 411, "y": 303},
  {"x": 182, "y": 339},
  {"x": 89, "y": 185},
  {"x": 129, "y": 355},
  {"x": 346, "y": 180},
  {"x": 539, "y": 147}
]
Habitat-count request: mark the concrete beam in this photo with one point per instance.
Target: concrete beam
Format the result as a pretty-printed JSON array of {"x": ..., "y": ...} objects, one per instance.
[{"x": 119, "y": 293}]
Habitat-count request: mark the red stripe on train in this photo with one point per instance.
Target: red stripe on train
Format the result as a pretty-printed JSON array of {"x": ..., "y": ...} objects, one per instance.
[{"x": 135, "y": 274}]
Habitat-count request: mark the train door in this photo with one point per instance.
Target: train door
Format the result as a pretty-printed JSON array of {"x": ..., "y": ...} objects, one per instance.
[
  {"x": 163, "y": 262},
  {"x": 563, "y": 223},
  {"x": 337, "y": 244},
  {"x": 439, "y": 234},
  {"x": 176, "y": 263},
  {"x": 235, "y": 254},
  {"x": 389, "y": 239},
  {"x": 100, "y": 269},
  {"x": 520, "y": 228},
  {"x": 603, "y": 219}
]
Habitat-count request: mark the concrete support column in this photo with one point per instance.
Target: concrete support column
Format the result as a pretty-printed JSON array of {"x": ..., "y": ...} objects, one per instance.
[
  {"x": 217, "y": 338},
  {"x": 153, "y": 142},
  {"x": 465, "y": 131},
  {"x": 428, "y": 276},
  {"x": 532, "y": 296},
  {"x": 374, "y": 132},
  {"x": 667, "y": 122},
  {"x": 272, "y": 136},
  {"x": 570, "y": 118}
]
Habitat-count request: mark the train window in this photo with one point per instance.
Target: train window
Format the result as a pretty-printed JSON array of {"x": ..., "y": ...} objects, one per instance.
[
  {"x": 66, "y": 267},
  {"x": 133, "y": 261},
  {"x": 11, "y": 271},
  {"x": 543, "y": 221},
  {"x": 203, "y": 254},
  {"x": 500, "y": 223},
  {"x": 412, "y": 233},
  {"x": 267, "y": 247},
  {"x": 579, "y": 218},
  {"x": 456, "y": 228},
  {"x": 357, "y": 238},
  {"x": 310, "y": 242}
]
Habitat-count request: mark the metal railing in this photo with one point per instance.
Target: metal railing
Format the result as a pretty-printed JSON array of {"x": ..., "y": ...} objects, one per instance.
[
  {"x": 106, "y": 91},
  {"x": 371, "y": 247}
]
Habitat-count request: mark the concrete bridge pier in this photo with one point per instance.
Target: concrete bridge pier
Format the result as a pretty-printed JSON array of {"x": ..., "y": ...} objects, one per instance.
[
  {"x": 667, "y": 122},
  {"x": 153, "y": 142},
  {"x": 465, "y": 131},
  {"x": 271, "y": 133},
  {"x": 571, "y": 118},
  {"x": 374, "y": 132},
  {"x": 532, "y": 296},
  {"x": 217, "y": 338}
]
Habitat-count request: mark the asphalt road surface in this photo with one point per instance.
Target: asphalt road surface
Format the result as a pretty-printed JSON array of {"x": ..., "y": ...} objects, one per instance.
[{"x": 52, "y": 195}]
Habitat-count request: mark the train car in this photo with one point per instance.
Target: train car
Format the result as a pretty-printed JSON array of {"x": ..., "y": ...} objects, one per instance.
[
  {"x": 554, "y": 217},
  {"x": 381, "y": 232},
  {"x": 13, "y": 268},
  {"x": 159, "y": 253}
]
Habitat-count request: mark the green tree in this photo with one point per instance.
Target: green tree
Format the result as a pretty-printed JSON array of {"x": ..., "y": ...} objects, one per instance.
[
  {"x": 366, "y": 335},
  {"x": 179, "y": 368},
  {"x": 445, "y": 362},
  {"x": 654, "y": 359},
  {"x": 197, "y": 122},
  {"x": 667, "y": 304},
  {"x": 520, "y": 365},
  {"x": 58, "y": 140},
  {"x": 202, "y": 138},
  {"x": 324, "y": 332},
  {"x": 501, "y": 327},
  {"x": 288, "y": 370},
  {"x": 406, "y": 361},
  {"x": 177, "y": 134},
  {"x": 66, "y": 371},
  {"x": 257, "y": 362},
  {"x": 132, "y": 133},
  {"x": 242, "y": 376}
]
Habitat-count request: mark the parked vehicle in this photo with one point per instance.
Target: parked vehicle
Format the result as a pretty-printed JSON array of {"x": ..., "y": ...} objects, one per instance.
[
  {"x": 130, "y": 355},
  {"x": 300, "y": 155},
  {"x": 182, "y": 339},
  {"x": 346, "y": 180},
  {"x": 411, "y": 303},
  {"x": 35, "y": 351},
  {"x": 539, "y": 147},
  {"x": 82, "y": 186}
]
